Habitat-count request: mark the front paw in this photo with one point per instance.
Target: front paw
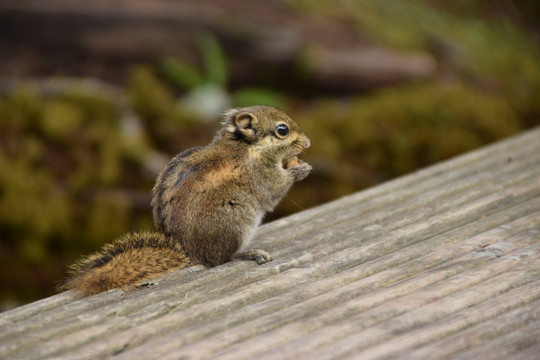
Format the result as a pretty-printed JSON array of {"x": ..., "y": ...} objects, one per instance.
[
  {"x": 260, "y": 256},
  {"x": 298, "y": 168}
]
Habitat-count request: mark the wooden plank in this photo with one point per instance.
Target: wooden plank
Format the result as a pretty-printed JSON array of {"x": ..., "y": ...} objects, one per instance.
[
  {"x": 325, "y": 300},
  {"x": 291, "y": 281},
  {"x": 505, "y": 346},
  {"x": 425, "y": 203},
  {"x": 228, "y": 284},
  {"x": 437, "y": 255},
  {"x": 35, "y": 308},
  {"x": 481, "y": 332},
  {"x": 527, "y": 353},
  {"x": 338, "y": 322},
  {"x": 391, "y": 346}
]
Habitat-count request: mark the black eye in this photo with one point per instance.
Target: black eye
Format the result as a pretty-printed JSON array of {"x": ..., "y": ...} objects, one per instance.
[{"x": 282, "y": 130}]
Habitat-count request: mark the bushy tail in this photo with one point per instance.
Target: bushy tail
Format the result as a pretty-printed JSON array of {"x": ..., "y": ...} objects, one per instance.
[{"x": 130, "y": 259}]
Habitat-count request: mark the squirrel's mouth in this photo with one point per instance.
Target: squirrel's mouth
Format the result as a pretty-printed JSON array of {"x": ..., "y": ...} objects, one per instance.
[{"x": 293, "y": 161}]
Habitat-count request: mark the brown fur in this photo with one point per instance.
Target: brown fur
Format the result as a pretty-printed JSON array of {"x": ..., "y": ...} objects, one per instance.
[
  {"x": 211, "y": 199},
  {"x": 207, "y": 202},
  {"x": 130, "y": 259}
]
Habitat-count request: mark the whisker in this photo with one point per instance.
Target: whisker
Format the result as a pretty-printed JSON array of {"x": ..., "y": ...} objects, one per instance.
[{"x": 295, "y": 203}]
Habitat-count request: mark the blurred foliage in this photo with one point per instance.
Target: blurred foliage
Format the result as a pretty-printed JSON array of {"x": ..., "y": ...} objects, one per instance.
[
  {"x": 65, "y": 184},
  {"x": 169, "y": 127},
  {"x": 207, "y": 91},
  {"x": 188, "y": 76},
  {"x": 73, "y": 178},
  {"x": 487, "y": 88},
  {"x": 491, "y": 55},
  {"x": 395, "y": 131}
]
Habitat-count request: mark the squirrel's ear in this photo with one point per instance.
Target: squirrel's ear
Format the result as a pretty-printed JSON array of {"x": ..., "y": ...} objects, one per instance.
[
  {"x": 243, "y": 120},
  {"x": 241, "y": 124}
]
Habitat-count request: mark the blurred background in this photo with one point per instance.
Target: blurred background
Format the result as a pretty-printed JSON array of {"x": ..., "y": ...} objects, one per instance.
[{"x": 96, "y": 96}]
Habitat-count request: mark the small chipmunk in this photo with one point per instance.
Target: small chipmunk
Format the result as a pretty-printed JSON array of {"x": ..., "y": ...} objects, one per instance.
[{"x": 207, "y": 203}]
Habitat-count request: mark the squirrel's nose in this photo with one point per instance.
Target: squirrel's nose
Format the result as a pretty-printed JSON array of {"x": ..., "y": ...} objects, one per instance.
[{"x": 308, "y": 143}]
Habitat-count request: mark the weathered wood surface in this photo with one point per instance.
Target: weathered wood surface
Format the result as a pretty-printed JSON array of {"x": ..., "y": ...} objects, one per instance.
[{"x": 442, "y": 263}]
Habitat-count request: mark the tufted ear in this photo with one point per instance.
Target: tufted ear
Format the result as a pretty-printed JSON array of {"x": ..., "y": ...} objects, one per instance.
[{"x": 241, "y": 124}]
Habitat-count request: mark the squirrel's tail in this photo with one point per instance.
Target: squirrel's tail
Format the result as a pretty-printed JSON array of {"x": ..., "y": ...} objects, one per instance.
[{"x": 130, "y": 259}]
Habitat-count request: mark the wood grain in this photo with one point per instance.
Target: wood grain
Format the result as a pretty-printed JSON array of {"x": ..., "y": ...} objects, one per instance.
[{"x": 442, "y": 263}]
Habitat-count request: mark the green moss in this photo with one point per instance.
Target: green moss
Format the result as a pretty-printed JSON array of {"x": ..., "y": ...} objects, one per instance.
[
  {"x": 149, "y": 96},
  {"x": 22, "y": 185},
  {"x": 64, "y": 184},
  {"x": 59, "y": 120},
  {"x": 391, "y": 132},
  {"x": 101, "y": 209},
  {"x": 22, "y": 112}
]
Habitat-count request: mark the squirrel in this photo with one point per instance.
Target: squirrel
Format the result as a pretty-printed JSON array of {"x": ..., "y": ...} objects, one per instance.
[{"x": 207, "y": 203}]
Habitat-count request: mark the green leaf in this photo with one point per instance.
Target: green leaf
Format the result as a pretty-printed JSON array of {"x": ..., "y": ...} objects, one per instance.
[
  {"x": 181, "y": 73},
  {"x": 214, "y": 60}
]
